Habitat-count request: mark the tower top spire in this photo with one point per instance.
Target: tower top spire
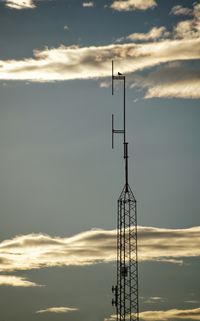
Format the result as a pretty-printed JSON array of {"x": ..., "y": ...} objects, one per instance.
[{"x": 121, "y": 77}]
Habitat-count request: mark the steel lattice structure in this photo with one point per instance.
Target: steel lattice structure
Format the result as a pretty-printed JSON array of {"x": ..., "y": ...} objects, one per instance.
[{"x": 126, "y": 290}]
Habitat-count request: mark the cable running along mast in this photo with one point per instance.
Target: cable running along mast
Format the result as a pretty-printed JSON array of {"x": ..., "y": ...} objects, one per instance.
[{"x": 126, "y": 291}]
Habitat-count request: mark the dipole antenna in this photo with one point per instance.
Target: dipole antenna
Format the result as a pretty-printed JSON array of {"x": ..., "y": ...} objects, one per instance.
[
  {"x": 126, "y": 291},
  {"x": 121, "y": 131}
]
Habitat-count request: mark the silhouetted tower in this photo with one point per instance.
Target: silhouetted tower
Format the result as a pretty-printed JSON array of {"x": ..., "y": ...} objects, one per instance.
[{"x": 126, "y": 290}]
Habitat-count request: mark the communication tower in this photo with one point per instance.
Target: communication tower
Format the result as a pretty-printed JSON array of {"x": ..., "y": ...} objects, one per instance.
[{"x": 126, "y": 290}]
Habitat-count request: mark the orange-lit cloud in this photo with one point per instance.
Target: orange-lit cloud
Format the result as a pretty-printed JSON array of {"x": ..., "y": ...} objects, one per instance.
[{"x": 34, "y": 251}]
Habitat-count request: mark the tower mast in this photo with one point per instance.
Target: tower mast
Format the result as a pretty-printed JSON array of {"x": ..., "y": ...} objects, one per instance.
[{"x": 126, "y": 291}]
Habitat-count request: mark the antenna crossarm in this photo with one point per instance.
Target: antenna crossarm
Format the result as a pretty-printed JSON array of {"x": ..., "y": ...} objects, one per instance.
[
  {"x": 119, "y": 77},
  {"x": 118, "y": 131}
]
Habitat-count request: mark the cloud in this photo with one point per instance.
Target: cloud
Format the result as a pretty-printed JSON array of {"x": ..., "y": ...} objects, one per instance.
[
  {"x": 58, "y": 310},
  {"x": 94, "y": 62},
  {"x": 88, "y": 4},
  {"x": 105, "y": 84},
  {"x": 124, "y": 5},
  {"x": 171, "y": 80},
  {"x": 190, "y": 314},
  {"x": 177, "y": 314},
  {"x": 66, "y": 28},
  {"x": 152, "y": 34},
  {"x": 180, "y": 10},
  {"x": 130, "y": 5},
  {"x": 35, "y": 251},
  {"x": 73, "y": 62},
  {"x": 154, "y": 300},
  {"x": 20, "y": 4},
  {"x": 174, "y": 79},
  {"x": 188, "y": 29},
  {"x": 11, "y": 280}
]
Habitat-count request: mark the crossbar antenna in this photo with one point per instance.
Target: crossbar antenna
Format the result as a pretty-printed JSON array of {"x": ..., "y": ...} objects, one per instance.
[
  {"x": 126, "y": 291},
  {"x": 122, "y": 78}
]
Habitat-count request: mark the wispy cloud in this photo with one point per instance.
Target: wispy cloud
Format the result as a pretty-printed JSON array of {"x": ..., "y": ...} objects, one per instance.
[
  {"x": 34, "y": 251},
  {"x": 130, "y": 5},
  {"x": 58, "y": 310},
  {"x": 180, "y": 10},
  {"x": 105, "y": 84},
  {"x": 20, "y": 4},
  {"x": 153, "y": 300},
  {"x": 172, "y": 80},
  {"x": 66, "y": 28},
  {"x": 177, "y": 314},
  {"x": 192, "y": 301},
  {"x": 88, "y": 4},
  {"x": 153, "y": 34},
  {"x": 190, "y": 314},
  {"x": 12, "y": 280}
]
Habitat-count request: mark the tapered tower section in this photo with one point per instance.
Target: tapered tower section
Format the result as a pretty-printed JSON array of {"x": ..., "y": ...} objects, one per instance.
[{"x": 126, "y": 291}]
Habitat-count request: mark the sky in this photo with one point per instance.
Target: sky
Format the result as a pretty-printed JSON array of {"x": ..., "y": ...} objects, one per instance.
[{"x": 60, "y": 179}]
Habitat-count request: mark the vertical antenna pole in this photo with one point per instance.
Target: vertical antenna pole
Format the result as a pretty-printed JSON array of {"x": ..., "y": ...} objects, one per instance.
[
  {"x": 112, "y": 131},
  {"x": 124, "y": 110},
  {"x": 126, "y": 164},
  {"x": 125, "y": 143},
  {"x": 112, "y": 77},
  {"x": 126, "y": 290}
]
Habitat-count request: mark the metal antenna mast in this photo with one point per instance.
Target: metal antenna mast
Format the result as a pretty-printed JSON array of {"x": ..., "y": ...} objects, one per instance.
[{"x": 126, "y": 291}]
